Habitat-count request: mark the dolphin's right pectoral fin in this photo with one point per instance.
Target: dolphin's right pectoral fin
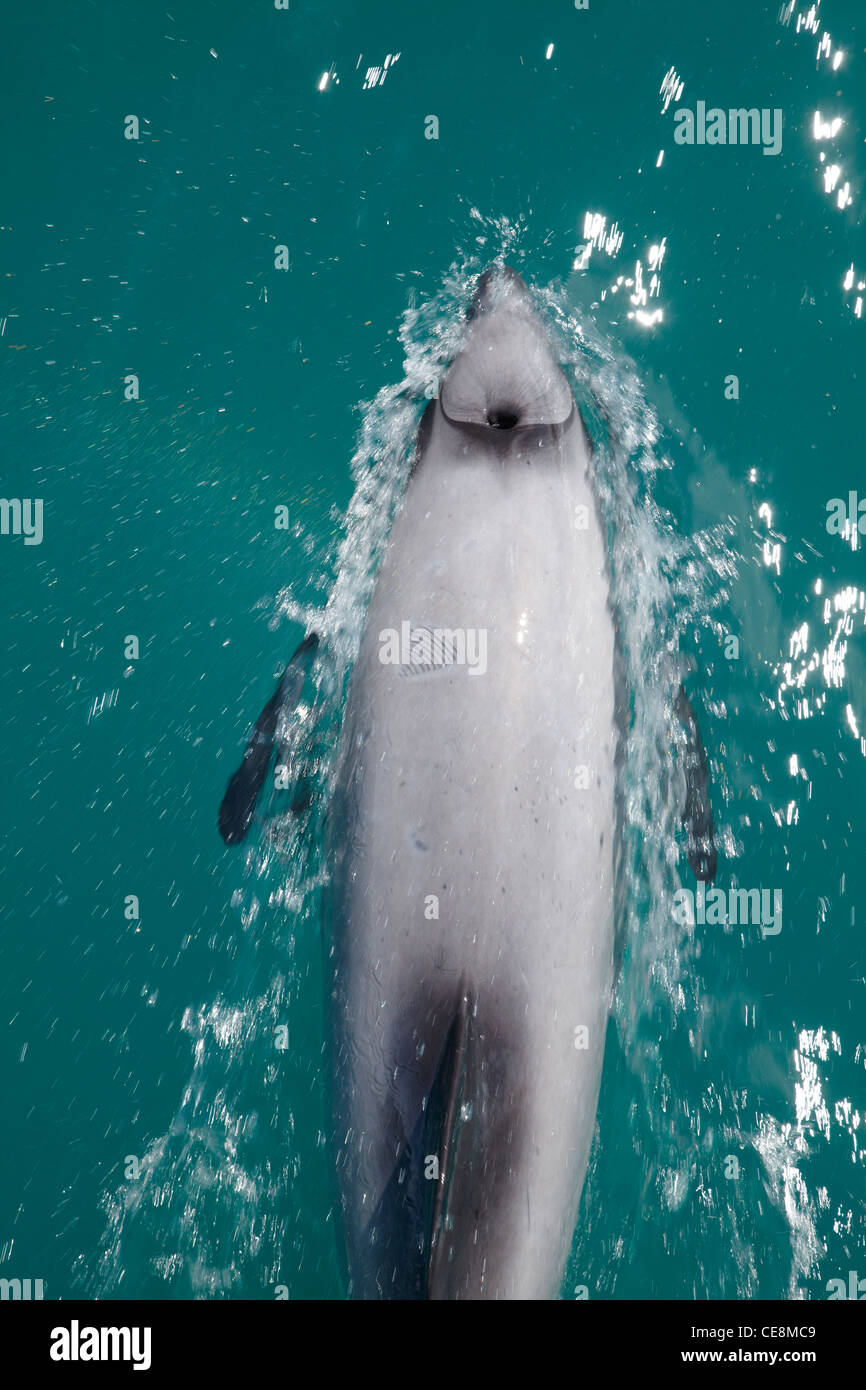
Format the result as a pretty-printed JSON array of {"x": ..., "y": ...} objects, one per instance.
[
  {"x": 238, "y": 803},
  {"x": 412, "y": 1208},
  {"x": 697, "y": 813}
]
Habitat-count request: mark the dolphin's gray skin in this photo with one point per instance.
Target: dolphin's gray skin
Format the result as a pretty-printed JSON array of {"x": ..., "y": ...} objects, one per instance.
[{"x": 472, "y": 870}]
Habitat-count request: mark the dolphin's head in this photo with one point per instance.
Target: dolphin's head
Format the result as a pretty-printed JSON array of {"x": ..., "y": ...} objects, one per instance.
[{"x": 505, "y": 379}]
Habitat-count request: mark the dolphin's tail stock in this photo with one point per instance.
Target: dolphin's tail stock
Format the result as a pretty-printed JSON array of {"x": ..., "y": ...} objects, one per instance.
[
  {"x": 697, "y": 816},
  {"x": 457, "y": 1191},
  {"x": 408, "y": 1222},
  {"x": 238, "y": 803}
]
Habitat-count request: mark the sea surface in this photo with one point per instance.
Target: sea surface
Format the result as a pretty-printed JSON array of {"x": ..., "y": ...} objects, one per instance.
[{"x": 174, "y": 386}]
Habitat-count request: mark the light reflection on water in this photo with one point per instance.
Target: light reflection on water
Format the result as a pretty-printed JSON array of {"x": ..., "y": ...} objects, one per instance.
[{"x": 834, "y": 172}]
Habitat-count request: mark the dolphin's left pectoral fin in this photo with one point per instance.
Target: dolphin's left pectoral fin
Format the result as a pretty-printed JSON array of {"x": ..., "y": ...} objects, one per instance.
[
  {"x": 697, "y": 813},
  {"x": 239, "y": 802}
]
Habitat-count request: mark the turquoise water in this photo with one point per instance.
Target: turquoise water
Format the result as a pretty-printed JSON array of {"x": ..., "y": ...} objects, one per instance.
[{"x": 154, "y": 1039}]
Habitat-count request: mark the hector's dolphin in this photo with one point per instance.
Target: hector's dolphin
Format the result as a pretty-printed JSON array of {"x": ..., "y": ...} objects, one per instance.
[
  {"x": 473, "y": 839},
  {"x": 473, "y": 880}
]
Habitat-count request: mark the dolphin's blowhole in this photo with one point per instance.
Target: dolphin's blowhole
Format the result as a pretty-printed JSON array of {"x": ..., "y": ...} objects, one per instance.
[{"x": 503, "y": 417}]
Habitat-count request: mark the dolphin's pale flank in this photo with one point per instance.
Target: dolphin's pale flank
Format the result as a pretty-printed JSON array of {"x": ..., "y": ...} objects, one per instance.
[{"x": 472, "y": 884}]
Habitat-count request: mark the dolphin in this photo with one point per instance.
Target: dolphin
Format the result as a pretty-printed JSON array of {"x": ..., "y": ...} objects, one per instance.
[
  {"x": 472, "y": 837},
  {"x": 473, "y": 840}
]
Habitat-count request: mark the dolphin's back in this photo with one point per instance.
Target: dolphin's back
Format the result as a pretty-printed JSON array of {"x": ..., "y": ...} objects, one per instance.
[{"x": 472, "y": 882}]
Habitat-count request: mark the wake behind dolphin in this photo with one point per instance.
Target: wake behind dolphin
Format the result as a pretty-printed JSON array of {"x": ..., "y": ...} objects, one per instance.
[{"x": 473, "y": 836}]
